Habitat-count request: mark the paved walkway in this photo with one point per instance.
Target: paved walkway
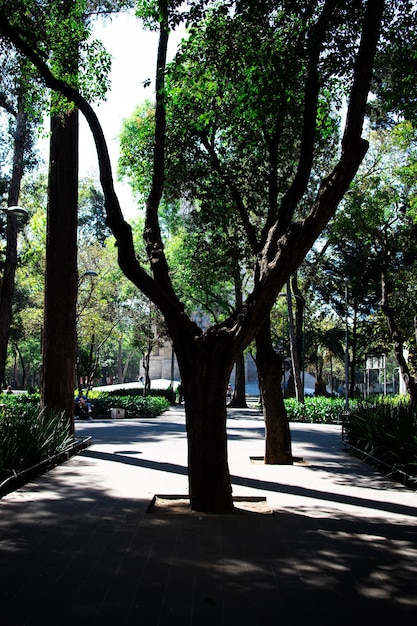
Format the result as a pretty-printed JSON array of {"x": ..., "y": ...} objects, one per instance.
[{"x": 77, "y": 545}]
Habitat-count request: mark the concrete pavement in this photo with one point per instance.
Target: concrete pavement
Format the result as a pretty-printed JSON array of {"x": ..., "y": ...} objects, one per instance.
[{"x": 77, "y": 545}]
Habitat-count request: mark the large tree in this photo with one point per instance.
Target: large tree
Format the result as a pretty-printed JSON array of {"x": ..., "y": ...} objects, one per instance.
[{"x": 339, "y": 39}]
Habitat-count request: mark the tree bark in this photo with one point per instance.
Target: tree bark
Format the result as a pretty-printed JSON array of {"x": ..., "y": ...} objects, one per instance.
[
  {"x": 299, "y": 325},
  {"x": 59, "y": 336},
  {"x": 354, "y": 348},
  {"x": 205, "y": 370},
  {"x": 10, "y": 264},
  {"x": 277, "y": 430},
  {"x": 239, "y": 392},
  {"x": 295, "y": 363}
]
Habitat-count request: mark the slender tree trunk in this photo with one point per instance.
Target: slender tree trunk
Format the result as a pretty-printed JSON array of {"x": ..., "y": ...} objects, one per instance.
[
  {"x": 146, "y": 366},
  {"x": 10, "y": 264},
  {"x": 299, "y": 392},
  {"x": 277, "y": 430},
  {"x": 120, "y": 373},
  {"x": 354, "y": 348},
  {"x": 299, "y": 325},
  {"x": 22, "y": 365},
  {"x": 59, "y": 336},
  {"x": 122, "y": 367},
  {"x": 92, "y": 362},
  {"x": 239, "y": 392},
  {"x": 7, "y": 292}
]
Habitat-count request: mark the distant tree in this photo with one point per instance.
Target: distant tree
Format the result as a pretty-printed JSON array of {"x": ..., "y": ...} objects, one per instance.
[
  {"x": 395, "y": 93},
  {"x": 150, "y": 332},
  {"x": 18, "y": 98},
  {"x": 91, "y": 214},
  {"x": 107, "y": 311},
  {"x": 27, "y": 324},
  {"x": 371, "y": 245}
]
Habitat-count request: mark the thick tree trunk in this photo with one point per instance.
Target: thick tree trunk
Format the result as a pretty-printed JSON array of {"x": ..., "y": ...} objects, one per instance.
[
  {"x": 59, "y": 336},
  {"x": 277, "y": 430},
  {"x": 209, "y": 478},
  {"x": 205, "y": 370}
]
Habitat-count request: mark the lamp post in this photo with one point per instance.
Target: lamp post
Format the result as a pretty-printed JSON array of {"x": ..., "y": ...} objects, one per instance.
[
  {"x": 16, "y": 211},
  {"x": 16, "y": 217}
]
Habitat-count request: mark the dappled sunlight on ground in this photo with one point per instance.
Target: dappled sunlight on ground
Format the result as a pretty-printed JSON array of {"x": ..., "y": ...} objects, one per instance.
[{"x": 341, "y": 541}]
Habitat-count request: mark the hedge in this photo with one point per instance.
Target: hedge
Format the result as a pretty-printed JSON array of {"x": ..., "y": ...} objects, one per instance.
[
  {"x": 316, "y": 410},
  {"x": 134, "y": 405}
]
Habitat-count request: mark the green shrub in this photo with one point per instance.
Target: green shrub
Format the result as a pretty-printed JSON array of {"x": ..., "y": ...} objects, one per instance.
[
  {"x": 386, "y": 429},
  {"x": 163, "y": 393},
  {"x": 315, "y": 410},
  {"x": 19, "y": 403},
  {"x": 132, "y": 401},
  {"x": 30, "y": 437},
  {"x": 134, "y": 405}
]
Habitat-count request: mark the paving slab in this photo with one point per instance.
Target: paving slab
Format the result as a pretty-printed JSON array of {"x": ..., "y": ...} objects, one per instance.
[{"x": 77, "y": 545}]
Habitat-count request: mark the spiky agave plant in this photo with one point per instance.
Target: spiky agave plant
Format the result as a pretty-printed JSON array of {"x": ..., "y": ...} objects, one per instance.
[
  {"x": 30, "y": 436},
  {"x": 386, "y": 429}
]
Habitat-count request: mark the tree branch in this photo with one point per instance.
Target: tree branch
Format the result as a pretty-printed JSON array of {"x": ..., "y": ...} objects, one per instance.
[
  {"x": 120, "y": 228},
  {"x": 311, "y": 94},
  {"x": 152, "y": 233},
  {"x": 234, "y": 192},
  {"x": 284, "y": 252}
]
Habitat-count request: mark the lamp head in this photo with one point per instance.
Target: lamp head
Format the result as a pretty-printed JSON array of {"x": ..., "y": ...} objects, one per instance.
[{"x": 17, "y": 211}]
